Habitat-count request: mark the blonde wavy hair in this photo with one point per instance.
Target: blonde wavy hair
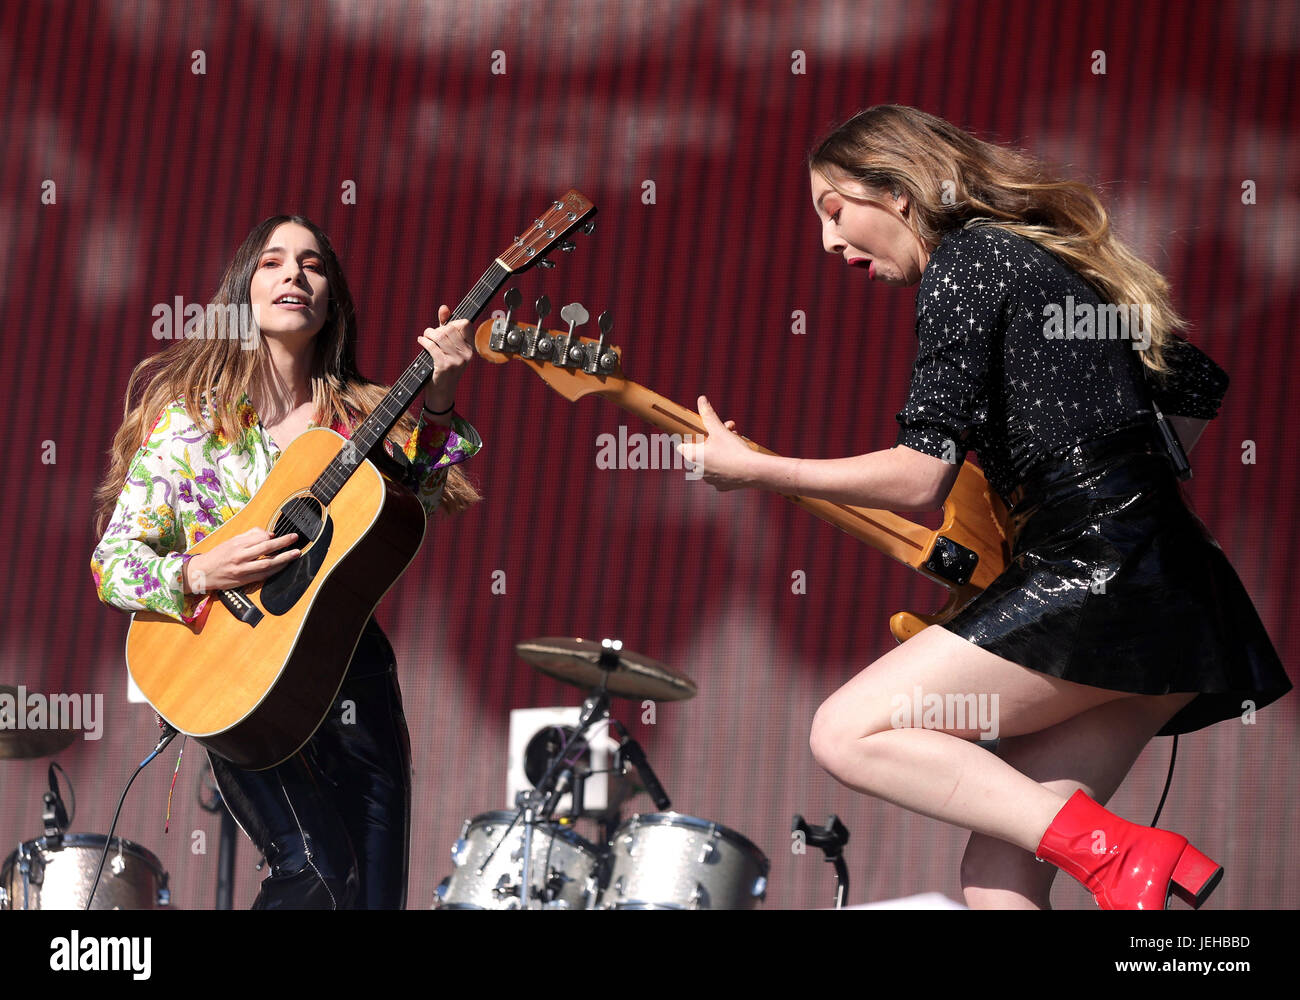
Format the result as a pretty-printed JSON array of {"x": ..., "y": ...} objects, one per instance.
[
  {"x": 186, "y": 368},
  {"x": 954, "y": 181}
]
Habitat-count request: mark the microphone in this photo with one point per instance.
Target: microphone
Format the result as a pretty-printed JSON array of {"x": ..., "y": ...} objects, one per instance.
[
  {"x": 55, "y": 814},
  {"x": 630, "y": 750},
  {"x": 563, "y": 782}
]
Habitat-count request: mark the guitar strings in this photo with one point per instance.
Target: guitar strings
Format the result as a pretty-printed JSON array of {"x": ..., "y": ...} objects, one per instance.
[{"x": 296, "y": 512}]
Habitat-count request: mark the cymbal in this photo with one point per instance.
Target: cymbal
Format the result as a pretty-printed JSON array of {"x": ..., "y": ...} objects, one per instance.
[
  {"x": 26, "y": 744},
  {"x": 626, "y": 674}
]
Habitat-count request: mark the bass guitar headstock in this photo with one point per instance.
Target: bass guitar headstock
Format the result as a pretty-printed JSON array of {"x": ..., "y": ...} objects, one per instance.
[{"x": 573, "y": 365}]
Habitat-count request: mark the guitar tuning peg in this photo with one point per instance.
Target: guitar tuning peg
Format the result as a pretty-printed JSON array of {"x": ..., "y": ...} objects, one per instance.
[
  {"x": 605, "y": 361},
  {"x": 544, "y": 342},
  {"x": 589, "y": 227},
  {"x": 575, "y": 315},
  {"x": 566, "y": 245},
  {"x": 513, "y": 338},
  {"x": 512, "y": 300},
  {"x": 545, "y": 262}
]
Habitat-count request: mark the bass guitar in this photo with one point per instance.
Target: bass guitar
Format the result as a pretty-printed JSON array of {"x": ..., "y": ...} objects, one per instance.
[
  {"x": 963, "y": 555},
  {"x": 253, "y": 678}
]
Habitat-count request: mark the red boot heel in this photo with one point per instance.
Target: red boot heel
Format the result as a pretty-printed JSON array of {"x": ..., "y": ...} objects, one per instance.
[
  {"x": 1195, "y": 877},
  {"x": 1123, "y": 865}
]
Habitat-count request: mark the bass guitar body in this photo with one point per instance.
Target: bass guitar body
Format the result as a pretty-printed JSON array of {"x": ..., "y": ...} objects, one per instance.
[{"x": 254, "y": 676}]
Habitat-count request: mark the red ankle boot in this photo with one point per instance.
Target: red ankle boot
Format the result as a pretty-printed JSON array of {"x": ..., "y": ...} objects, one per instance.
[{"x": 1126, "y": 866}]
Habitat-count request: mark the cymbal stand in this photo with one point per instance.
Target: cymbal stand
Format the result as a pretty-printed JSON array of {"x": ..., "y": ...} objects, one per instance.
[{"x": 536, "y": 804}]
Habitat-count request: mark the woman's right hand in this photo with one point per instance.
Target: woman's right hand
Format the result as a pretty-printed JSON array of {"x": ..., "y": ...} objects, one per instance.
[{"x": 238, "y": 561}]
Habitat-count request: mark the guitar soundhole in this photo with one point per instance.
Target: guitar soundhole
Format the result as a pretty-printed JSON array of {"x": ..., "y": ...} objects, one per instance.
[{"x": 305, "y": 515}]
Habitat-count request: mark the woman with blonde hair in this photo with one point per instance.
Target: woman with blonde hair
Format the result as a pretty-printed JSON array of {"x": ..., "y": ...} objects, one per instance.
[
  {"x": 1118, "y": 617},
  {"x": 215, "y": 412}
]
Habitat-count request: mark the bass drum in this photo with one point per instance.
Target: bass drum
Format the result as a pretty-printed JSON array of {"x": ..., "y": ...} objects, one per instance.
[
  {"x": 57, "y": 874},
  {"x": 563, "y": 872},
  {"x": 669, "y": 861}
]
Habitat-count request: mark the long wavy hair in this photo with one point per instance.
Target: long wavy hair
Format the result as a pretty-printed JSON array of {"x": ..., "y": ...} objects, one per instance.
[
  {"x": 953, "y": 180},
  {"x": 185, "y": 369}
]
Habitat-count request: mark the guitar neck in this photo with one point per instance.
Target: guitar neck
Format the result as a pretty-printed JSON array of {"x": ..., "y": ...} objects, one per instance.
[
  {"x": 896, "y": 536},
  {"x": 564, "y": 216},
  {"x": 383, "y": 417}
]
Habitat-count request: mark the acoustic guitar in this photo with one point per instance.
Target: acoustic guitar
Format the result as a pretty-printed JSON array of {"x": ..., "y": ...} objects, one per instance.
[
  {"x": 253, "y": 678},
  {"x": 964, "y": 554}
]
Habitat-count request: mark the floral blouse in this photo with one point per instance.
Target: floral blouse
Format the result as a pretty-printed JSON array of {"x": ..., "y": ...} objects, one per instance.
[{"x": 185, "y": 482}]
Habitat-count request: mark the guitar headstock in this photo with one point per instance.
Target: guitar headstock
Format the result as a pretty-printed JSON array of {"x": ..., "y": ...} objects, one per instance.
[
  {"x": 572, "y": 365},
  {"x": 550, "y": 231}
]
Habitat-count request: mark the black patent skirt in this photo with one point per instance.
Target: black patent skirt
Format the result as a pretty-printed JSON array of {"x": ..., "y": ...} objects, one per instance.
[{"x": 1115, "y": 583}]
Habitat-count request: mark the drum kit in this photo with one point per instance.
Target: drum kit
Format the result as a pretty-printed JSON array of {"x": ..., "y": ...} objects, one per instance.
[
  {"x": 533, "y": 858},
  {"x": 57, "y": 871},
  {"x": 529, "y": 858}
]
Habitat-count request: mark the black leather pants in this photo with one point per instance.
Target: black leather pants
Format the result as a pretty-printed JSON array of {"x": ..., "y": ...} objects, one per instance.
[{"x": 333, "y": 821}]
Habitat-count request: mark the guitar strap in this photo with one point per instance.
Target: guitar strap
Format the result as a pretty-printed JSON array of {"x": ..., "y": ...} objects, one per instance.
[
  {"x": 1174, "y": 447},
  {"x": 1182, "y": 467}
]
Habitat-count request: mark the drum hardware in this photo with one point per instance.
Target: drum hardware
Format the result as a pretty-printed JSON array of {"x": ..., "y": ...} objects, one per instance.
[
  {"x": 589, "y": 785},
  {"x": 485, "y": 877},
  {"x": 538, "y": 803},
  {"x": 661, "y": 860},
  {"x": 831, "y": 838},
  {"x": 607, "y": 670},
  {"x": 55, "y": 871},
  {"x": 534, "y": 809}
]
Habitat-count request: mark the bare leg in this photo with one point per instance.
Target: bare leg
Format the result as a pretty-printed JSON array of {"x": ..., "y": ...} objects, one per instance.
[
  {"x": 1093, "y": 751},
  {"x": 937, "y": 772}
]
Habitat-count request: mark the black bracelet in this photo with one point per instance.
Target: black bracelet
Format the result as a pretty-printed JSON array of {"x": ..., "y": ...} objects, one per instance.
[{"x": 439, "y": 413}]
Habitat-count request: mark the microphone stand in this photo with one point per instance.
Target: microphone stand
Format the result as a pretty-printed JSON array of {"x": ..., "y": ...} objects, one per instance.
[{"x": 541, "y": 797}]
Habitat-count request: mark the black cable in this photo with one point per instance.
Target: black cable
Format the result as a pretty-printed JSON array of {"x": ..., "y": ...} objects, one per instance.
[
  {"x": 169, "y": 734},
  {"x": 1173, "y": 755}
]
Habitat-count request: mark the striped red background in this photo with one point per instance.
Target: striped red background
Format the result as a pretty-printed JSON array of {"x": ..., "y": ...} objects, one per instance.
[{"x": 159, "y": 173}]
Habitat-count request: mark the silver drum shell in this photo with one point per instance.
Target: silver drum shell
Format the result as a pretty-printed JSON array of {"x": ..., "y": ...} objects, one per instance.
[
  {"x": 42, "y": 876},
  {"x": 680, "y": 862},
  {"x": 558, "y": 853}
]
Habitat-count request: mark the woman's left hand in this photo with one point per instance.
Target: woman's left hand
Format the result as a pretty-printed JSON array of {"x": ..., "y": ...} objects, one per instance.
[
  {"x": 726, "y": 462},
  {"x": 450, "y": 347}
]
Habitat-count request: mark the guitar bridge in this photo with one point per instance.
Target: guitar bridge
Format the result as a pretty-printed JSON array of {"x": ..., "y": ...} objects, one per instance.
[
  {"x": 952, "y": 561},
  {"x": 240, "y": 606}
]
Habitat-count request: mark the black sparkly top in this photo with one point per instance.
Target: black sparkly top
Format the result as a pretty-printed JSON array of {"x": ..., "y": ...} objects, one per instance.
[{"x": 989, "y": 378}]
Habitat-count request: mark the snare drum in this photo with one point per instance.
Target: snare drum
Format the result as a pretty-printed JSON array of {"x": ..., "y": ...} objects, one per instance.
[
  {"x": 563, "y": 871},
  {"x": 46, "y": 875},
  {"x": 668, "y": 861}
]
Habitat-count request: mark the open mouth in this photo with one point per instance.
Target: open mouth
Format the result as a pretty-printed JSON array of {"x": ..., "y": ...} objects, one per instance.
[{"x": 291, "y": 302}]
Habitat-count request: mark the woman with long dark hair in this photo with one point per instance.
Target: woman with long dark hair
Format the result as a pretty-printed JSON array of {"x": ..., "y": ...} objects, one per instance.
[
  {"x": 215, "y": 411},
  {"x": 1118, "y": 618}
]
